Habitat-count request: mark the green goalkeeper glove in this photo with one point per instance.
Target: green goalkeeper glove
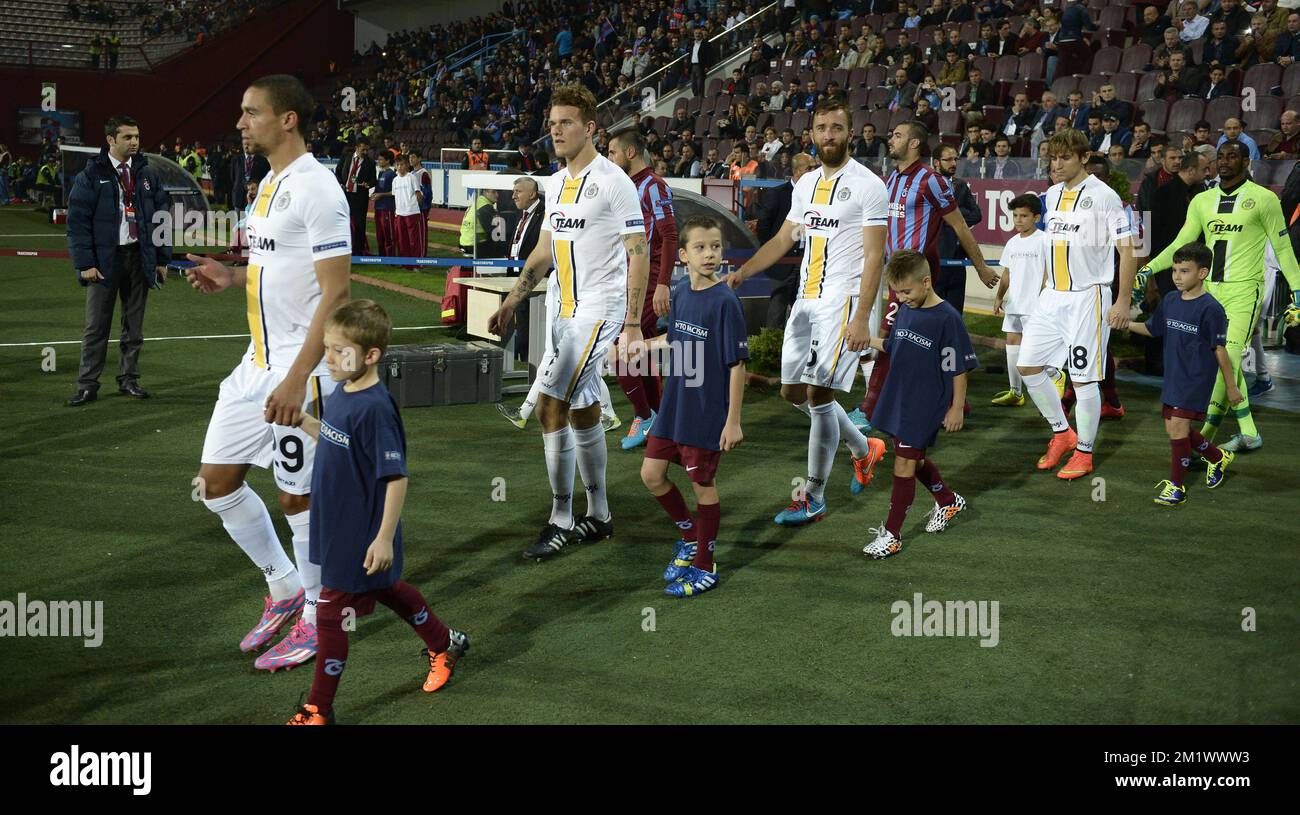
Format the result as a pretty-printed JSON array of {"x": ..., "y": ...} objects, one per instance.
[
  {"x": 1140, "y": 284},
  {"x": 1292, "y": 313}
]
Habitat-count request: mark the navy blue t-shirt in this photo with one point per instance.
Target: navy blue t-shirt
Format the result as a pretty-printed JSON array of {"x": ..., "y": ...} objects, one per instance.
[
  {"x": 384, "y": 183},
  {"x": 362, "y": 444},
  {"x": 928, "y": 348},
  {"x": 706, "y": 333},
  {"x": 1192, "y": 330}
]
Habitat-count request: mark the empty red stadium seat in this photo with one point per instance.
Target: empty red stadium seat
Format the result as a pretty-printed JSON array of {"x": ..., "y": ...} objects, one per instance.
[
  {"x": 950, "y": 121},
  {"x": 1219, "y": 110},
  {"x": 1031, "y": 67},
  {"x": 1106, "y": 60},
  {"x": 1155, "y": 113},
  {"x": 1184, "y": 114},
  {"x": 1266, "y": 113},
  {"x": 1063, "y": 86},
  {"x": 1146, "y": 89},
  {"x": 900, "y": 115},
  {"x": 1136, "y": 58},
  {"x": 1125, "y": 86},
  {"x": 1263, "y": 78}
]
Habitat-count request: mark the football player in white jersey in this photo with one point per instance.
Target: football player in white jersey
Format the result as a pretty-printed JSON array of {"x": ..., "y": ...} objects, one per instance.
[
  {"x": 841, "y": 211},
  {"x": 1085, "y": 223},
  {"x": 595, "y": 237},
  {"x": 297, "y": 273}
]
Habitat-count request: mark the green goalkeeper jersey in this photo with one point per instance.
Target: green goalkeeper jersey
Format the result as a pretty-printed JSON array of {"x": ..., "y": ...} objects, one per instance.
[{"x": 1236, "y": 227}]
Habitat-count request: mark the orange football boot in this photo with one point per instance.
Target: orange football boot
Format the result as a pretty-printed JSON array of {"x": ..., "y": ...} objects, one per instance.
[
  {"x": 1060, "y": 444},
  {"x": 310, "y": 714},
  {"x": 1079, "y": 465}
]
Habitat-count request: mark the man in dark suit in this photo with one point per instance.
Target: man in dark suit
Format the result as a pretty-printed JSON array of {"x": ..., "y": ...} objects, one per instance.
[
  {"x": 1076, "y": 111},
  {"x": 951, "y": 285},
  {"x": 245, "y": 167},
  {"x": 773, "y": 206},
  {"x": 1221, "y": 46},
  {"x": 1180, "y": 80},
  {"x": 357, "y": 175},
  {"x": 701, "y": 58},
  {"x": 1008, "y": 42},
  {"x": 111, "y": 238},
  {"x": 532, "y": 213},
  {"x": 1168, "y": 212}
]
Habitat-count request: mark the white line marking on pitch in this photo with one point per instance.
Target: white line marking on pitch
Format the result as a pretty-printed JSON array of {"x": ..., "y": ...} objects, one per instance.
[{"x": 196, "y": 337}]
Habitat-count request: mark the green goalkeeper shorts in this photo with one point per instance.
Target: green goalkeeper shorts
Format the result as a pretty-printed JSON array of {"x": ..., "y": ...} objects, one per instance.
[{"x": 1242, "y": 302}]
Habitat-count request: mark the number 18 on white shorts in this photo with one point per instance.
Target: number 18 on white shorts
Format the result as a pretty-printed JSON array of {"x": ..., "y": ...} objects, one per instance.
[{"x": 1068, "y": 330}]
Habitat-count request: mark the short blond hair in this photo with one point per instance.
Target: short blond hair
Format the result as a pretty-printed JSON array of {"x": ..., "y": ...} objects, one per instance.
[
  {"x": 364, "y": 323},
  {"x": 906, "y": 265}
]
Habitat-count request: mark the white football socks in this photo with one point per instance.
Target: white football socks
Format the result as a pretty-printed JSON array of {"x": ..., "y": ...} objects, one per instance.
[
  {"x": 606, "y": 404},
  {"x": 248, "y": 523},
  {"x": 869, "y": 366},
  {"x": 1087, "y": 414},
  {"x": 308, "y": 572},
  {"x": 804, "y": 408},
  {"x": 560, "y": 463},
  {"x": 530, "y": 401},
  {"x": 823, "y": 440},
  {"x": 1047, "y": 400},
  {"x": 592, "y": 458},
  {"x": 1013, "y": 373},
  {"x": 856, "y": 441}
]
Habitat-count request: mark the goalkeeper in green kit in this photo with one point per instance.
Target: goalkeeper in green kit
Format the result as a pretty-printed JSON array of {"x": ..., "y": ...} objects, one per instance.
[{"x": 1238, "y": 218}]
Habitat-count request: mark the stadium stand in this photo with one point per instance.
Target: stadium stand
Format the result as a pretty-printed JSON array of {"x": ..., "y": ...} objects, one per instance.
[{"x": 60, "y": 34}]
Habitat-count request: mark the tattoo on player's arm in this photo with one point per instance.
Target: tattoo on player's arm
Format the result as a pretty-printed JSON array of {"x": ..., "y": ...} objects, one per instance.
[
  {"x": 635, "y": 244},
  {"x": 633, "y": 297},
  {"x": 527, "y": 280}
]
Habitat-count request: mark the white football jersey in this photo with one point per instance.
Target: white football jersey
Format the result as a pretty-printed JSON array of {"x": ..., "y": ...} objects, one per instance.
[
  {"x": 832, "y": 212},
  {"x": 1025, "y": 259},
  {"x": 587, "y": 217},
  {"x": 300, "y": 216},
  {"x": 1083, "y": 225}
]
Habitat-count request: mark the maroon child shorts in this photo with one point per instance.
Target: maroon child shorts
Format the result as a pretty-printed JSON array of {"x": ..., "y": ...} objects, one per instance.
[
  {"x": 701, "y": 464},
  {"x": 1171, "y": 412},
  {"x": 907, "y": 451}
]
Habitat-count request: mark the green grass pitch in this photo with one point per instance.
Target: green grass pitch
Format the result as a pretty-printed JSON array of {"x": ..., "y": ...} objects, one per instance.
[{"x": 1111, "y": 611}]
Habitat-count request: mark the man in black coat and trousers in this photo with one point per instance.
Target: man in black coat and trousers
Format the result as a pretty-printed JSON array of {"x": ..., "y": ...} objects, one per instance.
[
  {"x": 773, "y": 207},
  {"x": 119, "y": 252},
  {"x": 700, "y": 56},
  {"x": 357, "y": 175},
  {"x": 951, "y": 284},
  {"x": 1169, "y": 204},
  {"x": 245, "y": 167}
]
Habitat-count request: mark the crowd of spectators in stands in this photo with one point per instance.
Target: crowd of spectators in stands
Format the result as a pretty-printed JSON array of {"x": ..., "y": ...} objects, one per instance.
[
  {"x": 502, "y": 100},
  {"x": 195, "y": 20}
]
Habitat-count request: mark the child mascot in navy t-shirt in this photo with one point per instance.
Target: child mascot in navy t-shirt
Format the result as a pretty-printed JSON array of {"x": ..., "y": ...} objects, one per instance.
[
  {"x": 1195, "y": 329},
  {"x": 925, "y": 390},
  {"x": 358, "y": 488},
  {"x": 699, "y": 412}
]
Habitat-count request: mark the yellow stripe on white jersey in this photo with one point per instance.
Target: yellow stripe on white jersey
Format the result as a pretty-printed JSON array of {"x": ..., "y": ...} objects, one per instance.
[
  {"x": 572, "y": 188},
  {"x": 1060, "y": 278},
  {"x": 256, "y": 321},
  {"x": 816, "y": 266},
  {"x": 825, "y": 188},
  {"x": 566, "y": 270},
  {"x": 263, "y": 206}
]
